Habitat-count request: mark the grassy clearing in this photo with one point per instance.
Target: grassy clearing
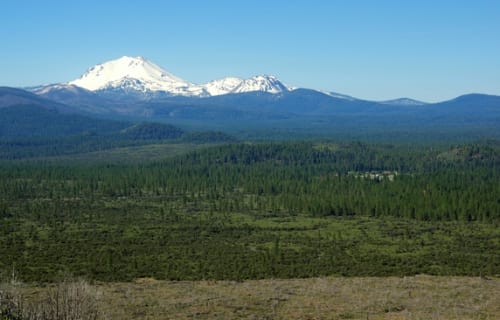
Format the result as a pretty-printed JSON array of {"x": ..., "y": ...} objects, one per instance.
[
  {"x": 134, "y": 154},
  {"x": 417, "y": 297}
]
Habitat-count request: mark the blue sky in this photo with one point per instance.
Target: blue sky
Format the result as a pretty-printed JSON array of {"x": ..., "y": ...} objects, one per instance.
[{"x": 372, "y": 49}]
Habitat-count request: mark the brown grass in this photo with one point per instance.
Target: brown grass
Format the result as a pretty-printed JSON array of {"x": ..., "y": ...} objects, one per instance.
[{"x": 419, "y": 297}]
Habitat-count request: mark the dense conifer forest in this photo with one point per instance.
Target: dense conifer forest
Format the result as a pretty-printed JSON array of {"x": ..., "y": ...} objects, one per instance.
[{"x": 256, "y": 210}]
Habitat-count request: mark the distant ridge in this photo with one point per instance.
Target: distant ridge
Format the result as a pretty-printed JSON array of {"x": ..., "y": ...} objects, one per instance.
[
  {"x": 136, "y": 88},
  {"x": 17, "y": 97}
]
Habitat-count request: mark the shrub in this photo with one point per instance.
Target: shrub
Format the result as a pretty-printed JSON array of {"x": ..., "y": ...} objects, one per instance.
[{"x": 68, "y": 300}]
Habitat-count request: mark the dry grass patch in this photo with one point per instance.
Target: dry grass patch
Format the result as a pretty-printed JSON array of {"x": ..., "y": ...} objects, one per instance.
[{"x": 419, "y": 297}]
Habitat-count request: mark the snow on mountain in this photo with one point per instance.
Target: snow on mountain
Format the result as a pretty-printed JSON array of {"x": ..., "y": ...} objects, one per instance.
[
  {"x": 48, "y": 89},
  {"x": 222, "y": 86},
  {"x": 137, "y": 74},
  {"x": 264, "y": 83}
]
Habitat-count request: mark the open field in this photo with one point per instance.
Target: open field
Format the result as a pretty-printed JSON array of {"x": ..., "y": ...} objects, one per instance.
[
  {"x": 417, "y": 297},
  {"x": 131, "y": 154}
]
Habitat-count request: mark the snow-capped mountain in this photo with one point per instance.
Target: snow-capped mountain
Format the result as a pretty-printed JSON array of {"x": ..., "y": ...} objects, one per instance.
[
  {"x": 139, "y": 75},
  {"x": 136, "y": 87},
  {"x": 222, "y": 86},
  {"x": 264, "y": 83}
]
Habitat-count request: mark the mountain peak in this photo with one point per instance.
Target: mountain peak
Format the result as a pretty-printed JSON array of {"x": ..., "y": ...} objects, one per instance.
[
  {"x": 265, "y": 83},
  {"x": 131, "y": 61},
  {"x": 136, "y": 73},
  {"x": 222, "y": 86}
]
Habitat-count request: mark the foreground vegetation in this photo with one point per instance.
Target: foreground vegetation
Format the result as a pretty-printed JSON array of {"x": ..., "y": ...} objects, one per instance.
[
  {"x": 418, "y": 297},
  {"x": 69, "y": 299},
  {"x": 251, "y": 211}
]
